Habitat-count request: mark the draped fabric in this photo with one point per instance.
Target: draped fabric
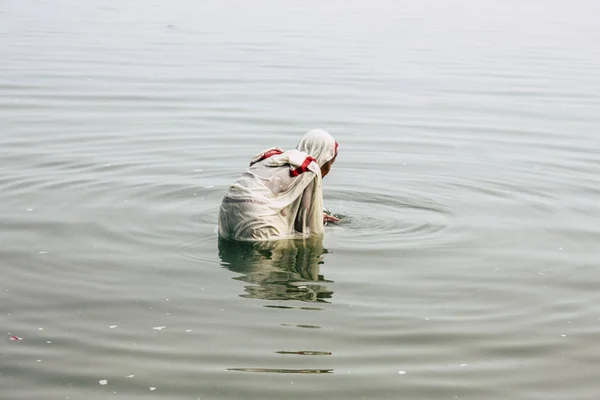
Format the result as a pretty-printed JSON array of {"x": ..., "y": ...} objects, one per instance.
[{"x": 280, "y": 195}]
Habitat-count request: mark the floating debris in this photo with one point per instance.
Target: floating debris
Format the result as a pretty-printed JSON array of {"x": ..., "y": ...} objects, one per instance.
[
  {"x": 152, "y": 388},
  {"x": 159, "y": 328},
  {"x": 16, "y": 338},
  {"x": 463, "y": 365},
  {"x": 112, "y": 326},
  {"x": 103, "y": 382},
  {"x": 130, "y": 376},
  {"x": 401, "y": 372}
]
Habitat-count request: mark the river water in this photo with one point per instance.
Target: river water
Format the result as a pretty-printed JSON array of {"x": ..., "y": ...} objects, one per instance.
[{"x": 466, "y": 266}]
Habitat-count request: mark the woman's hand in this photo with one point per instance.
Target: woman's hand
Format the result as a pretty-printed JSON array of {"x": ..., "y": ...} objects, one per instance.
[{"x": 330, "y": 218}]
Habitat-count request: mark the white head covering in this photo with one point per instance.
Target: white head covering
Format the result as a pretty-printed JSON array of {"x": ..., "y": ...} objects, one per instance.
[{"x": 318, "y": 144}]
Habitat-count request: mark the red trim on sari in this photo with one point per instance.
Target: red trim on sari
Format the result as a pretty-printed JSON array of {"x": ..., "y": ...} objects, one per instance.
[
  {"x": 303, "y": 168},
  {"x": 265, "y": 155}
]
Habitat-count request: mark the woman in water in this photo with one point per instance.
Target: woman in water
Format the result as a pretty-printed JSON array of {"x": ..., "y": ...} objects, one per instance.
[{"x": 280, "y": 195}]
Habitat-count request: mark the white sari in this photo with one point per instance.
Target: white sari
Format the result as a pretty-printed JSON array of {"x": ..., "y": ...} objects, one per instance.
[{"x": 280, "y": 196}]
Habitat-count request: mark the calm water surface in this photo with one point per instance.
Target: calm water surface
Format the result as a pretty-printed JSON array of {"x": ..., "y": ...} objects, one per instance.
[{"x": 467, "y": 263}]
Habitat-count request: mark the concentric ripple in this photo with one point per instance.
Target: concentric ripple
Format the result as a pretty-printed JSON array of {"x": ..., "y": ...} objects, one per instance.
[{"x": 383, "y": 221}]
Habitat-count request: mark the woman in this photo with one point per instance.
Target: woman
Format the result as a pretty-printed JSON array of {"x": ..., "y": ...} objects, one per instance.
[{"x": 280, "y": 196}]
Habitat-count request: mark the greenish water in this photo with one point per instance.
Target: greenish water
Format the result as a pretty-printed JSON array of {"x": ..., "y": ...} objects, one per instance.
[{"x": 467, "y": 264}]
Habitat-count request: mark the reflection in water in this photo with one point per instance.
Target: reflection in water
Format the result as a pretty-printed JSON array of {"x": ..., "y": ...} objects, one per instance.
[
  {"x": 303, "y": 326},
  {"x": 283, "y": 371},
  {"x": 305, "y": 353},
  {"x": 278, "y": 270},
  {"x": 282, "y": 270}
]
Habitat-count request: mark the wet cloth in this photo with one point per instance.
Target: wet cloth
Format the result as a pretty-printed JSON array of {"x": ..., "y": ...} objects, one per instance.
[{"x": 280, "y": 195}]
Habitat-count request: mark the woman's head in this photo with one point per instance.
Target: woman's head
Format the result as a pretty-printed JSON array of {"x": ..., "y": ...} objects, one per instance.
[{"x": 320, "y": 145}]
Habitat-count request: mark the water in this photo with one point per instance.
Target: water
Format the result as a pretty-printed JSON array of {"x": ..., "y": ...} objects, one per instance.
[{"x": 467, "y": 266}]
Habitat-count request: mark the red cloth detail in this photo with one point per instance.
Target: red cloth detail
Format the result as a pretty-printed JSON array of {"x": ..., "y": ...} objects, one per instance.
[
  {"x": 303, "y": 168},
  {"x": 265, "y": 155}
]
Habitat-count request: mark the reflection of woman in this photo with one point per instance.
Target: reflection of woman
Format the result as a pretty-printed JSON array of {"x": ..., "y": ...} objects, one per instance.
[
  {"x": 278, "y": 270},
  {"x": 280, "y": 196}
]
